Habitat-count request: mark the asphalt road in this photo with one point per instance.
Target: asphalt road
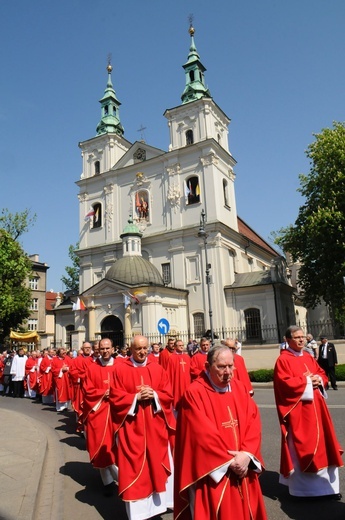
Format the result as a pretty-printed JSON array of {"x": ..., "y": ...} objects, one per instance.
[{"x": 79, "y": 489}]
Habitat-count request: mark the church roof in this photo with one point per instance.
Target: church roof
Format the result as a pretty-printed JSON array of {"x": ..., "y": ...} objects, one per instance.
[
  {"x": 134, "y": 270},
  {"x": 249, "y": 233}
]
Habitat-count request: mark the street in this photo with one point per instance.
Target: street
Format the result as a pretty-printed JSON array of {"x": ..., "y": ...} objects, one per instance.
[{"x": 74, "y": 488}]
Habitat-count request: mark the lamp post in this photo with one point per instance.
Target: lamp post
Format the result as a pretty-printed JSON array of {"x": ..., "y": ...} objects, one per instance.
[{"x": 202, "y": 234}]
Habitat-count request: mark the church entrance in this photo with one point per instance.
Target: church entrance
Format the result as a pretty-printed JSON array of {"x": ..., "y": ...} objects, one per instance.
[{"x": 112, "y": 328}]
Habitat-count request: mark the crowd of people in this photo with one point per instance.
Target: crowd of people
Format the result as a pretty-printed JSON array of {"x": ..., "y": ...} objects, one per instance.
[{"x": 178, "y": 427}]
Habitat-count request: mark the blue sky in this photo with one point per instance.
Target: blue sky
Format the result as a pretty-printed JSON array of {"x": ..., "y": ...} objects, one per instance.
[{"x": 275, "y": 68}]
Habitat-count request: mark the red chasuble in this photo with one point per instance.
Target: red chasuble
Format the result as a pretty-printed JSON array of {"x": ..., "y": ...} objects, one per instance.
[
  {"x": 33, "y": 381},
  {"x": 46, "y": 378},
  {"x": 240, "y": 373},
  {"x": 142, "y": 439},
  {"x": 164, "y": 357},
  {"x": 153, "y": 358},
  {"x": 96, "y": 414},
  {"x": 77, "y": 373},
  {"x": 178, "y": 371},
  {"x": 197, "y": 364},
  {"x": 209, "y": 424},
  {"x": 62, "y": 384},
  {"x": 309, "y": 422}
]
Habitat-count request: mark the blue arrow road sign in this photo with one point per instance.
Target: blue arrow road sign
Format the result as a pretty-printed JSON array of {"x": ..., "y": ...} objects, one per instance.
[{"x": 163, "y": 326}]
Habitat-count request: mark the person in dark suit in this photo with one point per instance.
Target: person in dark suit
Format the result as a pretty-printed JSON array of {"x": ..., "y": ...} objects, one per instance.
[{"x": 328, "y": 360}]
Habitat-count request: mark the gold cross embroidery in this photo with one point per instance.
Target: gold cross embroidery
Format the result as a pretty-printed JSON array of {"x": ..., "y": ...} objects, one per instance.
[
  {"x": 232, "y": 423},
  {"x": 141, "y": 383},
  {"x": 307, "y": 372},
  {"x": 183, "y": 363}
]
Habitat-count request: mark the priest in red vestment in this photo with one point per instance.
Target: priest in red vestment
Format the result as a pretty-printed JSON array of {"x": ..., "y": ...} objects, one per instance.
[
  {"x": 240, "y": 371},
  {"x": 167, "y": 353},
  {"x": 310, "y": 451},
  {"x": 46, "y": 377},
  {"x": 218, "y": 447},
  {"x": 61, "y": 364},
  {"x": 144, "y": 425},
  {"x": 31, "y": 372},
  {"x": 97, "y": 417},
  {"x": 77, "y": 374},
  {"x": 197, "y": 362},
  {"x": 155, "y": 353},
  {"x": 178, "y": 371}
]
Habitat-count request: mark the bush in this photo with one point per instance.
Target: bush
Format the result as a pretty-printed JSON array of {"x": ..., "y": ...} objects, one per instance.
[
  {"x": 340, "y": 373},
  {"x": 261, "y": 376}
]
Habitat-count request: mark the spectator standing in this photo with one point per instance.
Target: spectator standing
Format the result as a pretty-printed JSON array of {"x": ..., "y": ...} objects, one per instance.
[
  {"x": 18, "y": 373},
  {"x": 328, "y": 360}
]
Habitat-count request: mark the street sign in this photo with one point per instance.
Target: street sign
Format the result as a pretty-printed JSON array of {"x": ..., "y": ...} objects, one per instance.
[{"x": 163, "y": 326}]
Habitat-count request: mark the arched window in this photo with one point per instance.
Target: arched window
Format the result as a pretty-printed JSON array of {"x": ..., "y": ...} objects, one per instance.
[
  {"x": 191, "y": 75},
  {"x": 253, "y": 324},
  {"x": 199, "y": 324},
  {"x": 97, "y": 216},
  {"x": 106, "y": 110},
  {"x": 225, "y": 193},
  {"x": 189, "y": 137},
  {"x": 192, "y": 190},
  {"x": 97, "y": 168}
]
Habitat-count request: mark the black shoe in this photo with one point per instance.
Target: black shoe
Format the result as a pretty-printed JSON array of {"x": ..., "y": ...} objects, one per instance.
[
  {"x": 336, "y": 496},
  {"x": 109, "y": 489},
  {"x": 335, "y": 388}
]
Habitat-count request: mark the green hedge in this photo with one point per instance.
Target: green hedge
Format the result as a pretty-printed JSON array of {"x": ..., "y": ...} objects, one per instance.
[{"x": 266, "y": 376}]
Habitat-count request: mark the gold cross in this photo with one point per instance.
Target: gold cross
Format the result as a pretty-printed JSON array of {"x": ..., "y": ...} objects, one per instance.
[
  {"x": 232, "y": 423},
  {"x": 307, "y": 372},
  {"x": 141, "y": 383},
  {"x": 183, "y": 363}
]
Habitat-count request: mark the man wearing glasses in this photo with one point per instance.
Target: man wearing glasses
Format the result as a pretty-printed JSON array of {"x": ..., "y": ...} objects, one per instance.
[{"x": 310, "y": 454}]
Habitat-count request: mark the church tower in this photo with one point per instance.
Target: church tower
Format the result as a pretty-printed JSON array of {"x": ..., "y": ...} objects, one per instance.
[{"x": 199, "y": 127}]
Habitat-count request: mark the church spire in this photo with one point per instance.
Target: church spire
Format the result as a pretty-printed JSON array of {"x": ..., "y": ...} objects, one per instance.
[
  {"x": 195, "y": 83},
  {"x": 110, "y": 121}
]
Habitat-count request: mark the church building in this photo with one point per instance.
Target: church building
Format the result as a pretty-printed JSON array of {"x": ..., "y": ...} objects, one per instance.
[{"x": 161, "y": 247}]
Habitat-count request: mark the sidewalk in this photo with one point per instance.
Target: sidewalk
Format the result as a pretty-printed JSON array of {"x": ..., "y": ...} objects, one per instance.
[{"x": 22, "y": 452}]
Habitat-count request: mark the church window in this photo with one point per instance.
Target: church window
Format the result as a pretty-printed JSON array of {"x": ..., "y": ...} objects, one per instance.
[
  {"x": 106, "y": 110},
  {"x": 199, "y": 324},
  {"x": 166, "y": 273},
  {"x": 114, "y": 111},
  {"x": 226, "y": 193},
  {"x": 189, "y": 137},
  {"x": 191, "y": 75},
  {"x": 97, "y": 216},
  {"x": 253, "y": 324},
  {"x": 142, "y": 208},
  {"x": 139, "y": 155},
  {"x": 192, "y": 190},
  {"x": 97, "y": 168}
]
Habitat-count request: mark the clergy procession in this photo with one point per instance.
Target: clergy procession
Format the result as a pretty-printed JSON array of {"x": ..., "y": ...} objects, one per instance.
[{"x": 177, "y": 429}]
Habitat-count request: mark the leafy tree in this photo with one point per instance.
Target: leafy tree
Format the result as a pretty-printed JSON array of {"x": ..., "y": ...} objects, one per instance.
[
  {"x": 71, "y": 281},
  {"x": 15, "y": 295},
  {"x": 317, "y": 238},
  {"x": 16, "y": 224}
]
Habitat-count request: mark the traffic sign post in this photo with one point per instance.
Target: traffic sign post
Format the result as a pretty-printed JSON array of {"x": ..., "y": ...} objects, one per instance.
[{"x": 163, "y": 326}]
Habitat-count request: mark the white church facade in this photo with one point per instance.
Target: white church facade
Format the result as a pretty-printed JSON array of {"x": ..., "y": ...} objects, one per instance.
[{"x": 156, "y": 226}]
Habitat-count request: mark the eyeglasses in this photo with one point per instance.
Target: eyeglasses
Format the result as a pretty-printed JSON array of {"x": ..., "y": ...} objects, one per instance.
[{"x": 299, "y": 337}]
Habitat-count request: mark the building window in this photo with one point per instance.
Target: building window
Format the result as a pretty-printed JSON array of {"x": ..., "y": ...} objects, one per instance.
[
  {"x": 166, "y": 273},
  {"x": 226, "y": 193},
  {"x": 97, "y": 168},
  {"x": 97, "y": 216},
  {"x": 34, "y": 305},
  {"x": 139, "y": 155},
  {"x": 33, "y": 283},
  {"x": 32, "y": 324},
  {"x": 189, "y": 137},
  {"x": 69, "y": 334},
  {"x": 253, "y": 324},
  {"x": 199, "y": 324},
  {"x": 192, "y": 190},
  {"x": 191, "y": 75}
]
